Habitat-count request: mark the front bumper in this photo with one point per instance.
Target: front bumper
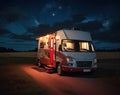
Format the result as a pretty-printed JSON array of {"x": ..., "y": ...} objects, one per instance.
[{"x": 80, "y": 69}]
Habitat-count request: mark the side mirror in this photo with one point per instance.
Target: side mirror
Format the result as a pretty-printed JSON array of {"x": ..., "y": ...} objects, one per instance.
[{"x": 60, "y": 48}]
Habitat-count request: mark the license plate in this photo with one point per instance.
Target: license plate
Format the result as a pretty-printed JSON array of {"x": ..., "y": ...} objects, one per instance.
[{"x": 86, "y": 70}]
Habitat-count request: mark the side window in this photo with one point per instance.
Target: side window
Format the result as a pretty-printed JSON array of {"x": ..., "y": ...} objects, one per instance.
[
  {"x": 84, "y": 46},
  {"x": 68, "y": 45}
]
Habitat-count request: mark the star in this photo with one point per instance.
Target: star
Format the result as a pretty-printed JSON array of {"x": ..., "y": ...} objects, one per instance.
[
  {"x": 53, "y": 14},
  {"x": 60, "y": 7}
]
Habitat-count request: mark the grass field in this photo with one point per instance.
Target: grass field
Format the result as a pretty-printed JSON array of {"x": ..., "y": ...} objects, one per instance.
[
  {"x": 14, "y": 81},
  {"x": 17, "y": 60},
  {"x": 100, "y": 55},
  {"x": 108, "y": 55}
]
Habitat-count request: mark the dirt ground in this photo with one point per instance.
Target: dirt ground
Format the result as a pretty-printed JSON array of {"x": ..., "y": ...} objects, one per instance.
[
  {"x": 105, "y": 81},
  {"x": 20, "y": 76},
  {"x": 14, "y": 81}
]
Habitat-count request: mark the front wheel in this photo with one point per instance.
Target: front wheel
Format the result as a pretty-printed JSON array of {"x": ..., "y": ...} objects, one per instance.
[{"x": 59, "y": 69}]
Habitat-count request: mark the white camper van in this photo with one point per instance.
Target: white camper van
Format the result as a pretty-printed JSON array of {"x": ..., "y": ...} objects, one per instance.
[{"x": 67, "y": 51}]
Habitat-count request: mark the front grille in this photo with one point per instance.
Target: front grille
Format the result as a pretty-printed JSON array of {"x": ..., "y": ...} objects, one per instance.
[{"x": 84, "y": 63}]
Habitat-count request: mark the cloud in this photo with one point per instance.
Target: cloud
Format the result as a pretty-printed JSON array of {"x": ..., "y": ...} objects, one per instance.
[
  {"x": 41, "y": 30},
  {"x": 90, "y": 26},
  {"x": 69, "y": 23},
  {"x": 66, "y": 24},
  {"x": 16, "y": 28},
  {"x": 3, "y": 32},
  {"x": 63, "y": 25},
  {"x": 22, "y": 37},
  {"x": 12, "y": 14},
  {"x": 78, "y": 18},
  {"x": 111, "y": 35}
]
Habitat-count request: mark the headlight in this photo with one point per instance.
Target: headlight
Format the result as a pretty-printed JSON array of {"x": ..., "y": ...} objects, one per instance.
[
  {"x": 95, "y": 60},
  {"x": 70, "y": 59},
  {"x": 95, "y": 63},
  {"x": 70, "y": 64}
]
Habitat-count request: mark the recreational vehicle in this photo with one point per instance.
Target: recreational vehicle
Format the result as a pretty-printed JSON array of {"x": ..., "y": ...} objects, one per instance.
[{"x": 67, "y": 51}]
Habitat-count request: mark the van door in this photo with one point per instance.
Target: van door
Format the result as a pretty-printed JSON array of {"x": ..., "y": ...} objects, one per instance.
[{"x": 51, "y": 51}]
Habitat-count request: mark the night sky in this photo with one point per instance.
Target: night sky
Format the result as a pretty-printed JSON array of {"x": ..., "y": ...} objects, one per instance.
[{"x": 21, "y": 21}]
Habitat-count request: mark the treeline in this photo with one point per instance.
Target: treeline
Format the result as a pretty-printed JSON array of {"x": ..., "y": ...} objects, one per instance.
[
  {"x": 3, "y": 49},
  {"x": 108, "y": 50}
]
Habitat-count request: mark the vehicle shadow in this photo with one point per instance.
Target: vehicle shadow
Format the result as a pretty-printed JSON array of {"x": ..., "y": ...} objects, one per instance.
[
  {"x": 106, "y": 68},
  {"x": 99, "y": 73},
  {"x": 39, "y": 69}
]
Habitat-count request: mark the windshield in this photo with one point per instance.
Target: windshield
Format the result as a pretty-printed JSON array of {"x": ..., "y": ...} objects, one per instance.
[{"x": 77, "y": 46}]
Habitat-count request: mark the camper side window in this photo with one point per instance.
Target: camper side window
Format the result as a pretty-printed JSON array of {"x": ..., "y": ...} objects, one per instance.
[{"x": 41, "y": 45}]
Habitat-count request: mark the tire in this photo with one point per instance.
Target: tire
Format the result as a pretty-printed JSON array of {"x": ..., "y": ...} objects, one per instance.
[{"x": 59, "y": 69}]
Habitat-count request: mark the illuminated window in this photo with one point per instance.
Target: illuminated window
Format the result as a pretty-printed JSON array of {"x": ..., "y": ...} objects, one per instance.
[
  {"x": 77, "y": 46},
  {"x": 84, "y": 46},
  {"x": 68, "y": 45}
]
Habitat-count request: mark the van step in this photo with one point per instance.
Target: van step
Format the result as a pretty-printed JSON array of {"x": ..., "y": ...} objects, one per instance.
[
  {"x": 48, "y": 68},
  {"x": 50, "y": 71}
]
